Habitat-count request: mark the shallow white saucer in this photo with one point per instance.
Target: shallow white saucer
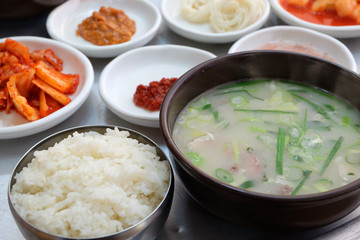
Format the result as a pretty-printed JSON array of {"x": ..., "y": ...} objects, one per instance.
[
  {"x": 62, "y": 23},
  {"x": 120, "y": 78}
]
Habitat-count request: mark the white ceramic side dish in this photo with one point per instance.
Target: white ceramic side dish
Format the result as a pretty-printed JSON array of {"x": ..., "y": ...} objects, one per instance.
[
  {"x": 335, "y": 31},
  {"x": 63, "y": 21},
  {"x": 13, "y": 125},
  {"x": 120, "y": 78},
  {"x": 300, "y": 38},
  {"x": 171, "y": 12}
]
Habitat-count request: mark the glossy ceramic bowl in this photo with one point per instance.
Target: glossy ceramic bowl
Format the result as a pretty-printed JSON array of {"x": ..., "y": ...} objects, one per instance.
[
  {"x": 302, "y": 39},
  {"x": 146, "y": 229},
  {"x": 352, "y": 31},
  {"x": 243, "y": 206}
]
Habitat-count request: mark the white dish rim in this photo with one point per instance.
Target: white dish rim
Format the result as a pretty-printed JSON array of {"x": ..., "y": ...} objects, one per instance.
[
  {"x": 140, "y": 119},
  {"x": 325, "y": 37},
  {"x": 109, "y": 50},
  {"x": 209, "y": 37}
]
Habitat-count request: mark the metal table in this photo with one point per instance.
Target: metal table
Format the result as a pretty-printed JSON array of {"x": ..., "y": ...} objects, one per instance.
[{"x": 187, "y": 219}]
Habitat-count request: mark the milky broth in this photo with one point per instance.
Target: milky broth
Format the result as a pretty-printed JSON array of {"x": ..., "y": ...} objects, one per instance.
[{"x": 272, "y": 137}]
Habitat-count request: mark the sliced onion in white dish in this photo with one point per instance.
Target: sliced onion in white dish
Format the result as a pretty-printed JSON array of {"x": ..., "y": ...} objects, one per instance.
[
  {"x": 120, "y": 78},
  {"x": 63, "y": 21},
  {"x": 202, "y": 32},
  {"x": 335, "y": 31},
  {"x": 321, "y": 44},
  {"x": 13, "y": 125}
]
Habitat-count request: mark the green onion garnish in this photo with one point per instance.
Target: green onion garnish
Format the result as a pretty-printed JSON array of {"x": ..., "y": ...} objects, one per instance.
[
  {"x": 316, "y": 107},
  {"x": 195, "y": 158},
  {"x": 237, "y": 91},
  {"x": 331, "y": 154},
  {"x": 306, "y": 175},
  {"x": 224, "y": 175},
  {"x": 264, "y": 111},
  {"x": 247, "y": 184},
  {"x": 280, "y": 151}
]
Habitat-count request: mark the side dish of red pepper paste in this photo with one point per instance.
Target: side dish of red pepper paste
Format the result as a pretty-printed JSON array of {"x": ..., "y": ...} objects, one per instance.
[{"x": 150, "y": 97}]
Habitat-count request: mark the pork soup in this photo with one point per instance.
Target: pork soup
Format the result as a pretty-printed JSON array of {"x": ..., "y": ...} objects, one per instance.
[{"x": 276, "y": 137}]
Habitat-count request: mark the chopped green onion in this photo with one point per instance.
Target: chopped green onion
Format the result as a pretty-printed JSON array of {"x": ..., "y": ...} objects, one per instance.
[
  {"x": 215, "y": 113},
  {"x": 236, "y": 151},
  {"x": 306, "y": 175},
  {"x": 237, "y": 91},
  {"x": 311, "y": 141},
  {"x": 264, "y": 111},
  {"x": 331, "y": 154},
  {"x": 298, "y": 158},
  {"x": 323, "y": 185},
  {"x": 224, "y": 175},
  {"x": 316, "y": 107},
  {"x": 207, "y": 106},
  {"x": 195, "y": 158},
  {"x": 223, "y": 124},
  {"x": 345, "y": 121},
  {"x": 304, "y": 126},
  {"x": 352, "y": 145},
  {"x": 330, "y": 107},
  {"x": 319, "y": 125},
  {"x": 293, "y": 173},
  {"x": 297, "y": 90},
  {"x": 257, "y": 129},
  {"x": 353, "y": 156},
  {"x": 205, "y": 116},
  {"x": 280, "y": 151},
  {"x": 238, "y": 101},
  {"x": 192, "y": 112},
  {"x": 247, "y": 184},
  {"x": 265, "y": 179},
  {"x": 249, "y": 149},
  {"x": 200, "y": 102}
]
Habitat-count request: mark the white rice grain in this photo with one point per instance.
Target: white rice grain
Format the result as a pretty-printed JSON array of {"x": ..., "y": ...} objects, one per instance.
[{"x": 91, "y": 185}]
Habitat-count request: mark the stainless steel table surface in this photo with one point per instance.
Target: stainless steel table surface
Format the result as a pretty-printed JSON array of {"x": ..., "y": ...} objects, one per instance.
[{"x": 187, "y": 219}]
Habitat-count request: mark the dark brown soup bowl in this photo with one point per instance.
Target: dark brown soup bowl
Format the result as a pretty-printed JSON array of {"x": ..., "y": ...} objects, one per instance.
[{"x": 243, "y": 206}]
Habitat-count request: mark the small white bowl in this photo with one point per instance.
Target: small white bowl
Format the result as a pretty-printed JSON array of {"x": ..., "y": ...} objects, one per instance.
[
  {"x": 63, "y": 21},
  {"x": 335, "y": 31},
  {"x": 120, "y": 78},
  {"x": 171, "y": 12},
  {"x": 13, "y": 125},
  {"x": 321, "y": 43}
]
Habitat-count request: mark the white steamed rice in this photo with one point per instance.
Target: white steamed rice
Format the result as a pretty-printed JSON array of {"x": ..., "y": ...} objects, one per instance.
[{"x": 91, "y": 185}]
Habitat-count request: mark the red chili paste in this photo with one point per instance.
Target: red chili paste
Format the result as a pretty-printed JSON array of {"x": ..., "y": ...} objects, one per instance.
[
  {"x": 328, "y": 17},
  {"x": 150, "y": 97}
]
